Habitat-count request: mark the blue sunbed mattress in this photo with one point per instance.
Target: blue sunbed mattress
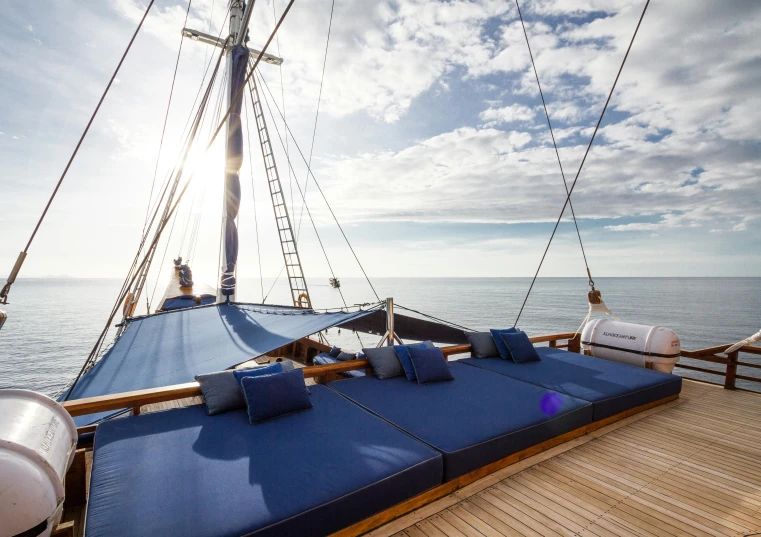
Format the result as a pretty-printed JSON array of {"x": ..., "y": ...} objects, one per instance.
[
  {"x": 478, "y": 418},
  {"x": 610, "y": 386},
  {"x": 182, "y": 472}
]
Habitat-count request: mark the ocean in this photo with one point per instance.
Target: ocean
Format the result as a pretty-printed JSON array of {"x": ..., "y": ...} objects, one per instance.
[{"x": 53, "y": 323}]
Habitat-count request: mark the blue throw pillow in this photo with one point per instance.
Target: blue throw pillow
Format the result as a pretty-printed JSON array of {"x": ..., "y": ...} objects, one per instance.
[
  {"x": 335, "y": 351},
  {"x": 404, "y": 357},
  {"x": 271, "y": 396},
  {"x": 344, "y": 356},
  {"x": 521, "y": 348},
  {"x": 430, "y": 365},
  {"x": 271, "y": 369},
  {"x": 504, "y": 352}
]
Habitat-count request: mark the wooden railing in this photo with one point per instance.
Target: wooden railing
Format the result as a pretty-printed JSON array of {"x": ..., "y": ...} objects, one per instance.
[
  {"x": 730, "y": 361},
  {"x": 321, "y": 373}
]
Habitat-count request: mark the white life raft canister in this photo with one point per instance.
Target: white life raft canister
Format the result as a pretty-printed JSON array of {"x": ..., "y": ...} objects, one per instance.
[
  {"x": 37, "y": 443},
  {"x": 633, "y": 344}
]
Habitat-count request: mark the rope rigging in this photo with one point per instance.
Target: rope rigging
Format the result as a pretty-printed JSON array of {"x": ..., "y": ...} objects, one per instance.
[
  {"x": 555, "y": 145},
  {"x": 317, "y": 112},
  {"x": 171, "y": 211},
  {"x": 309, "y": 169},
  {"x": 166, "y": 116},
  {"x": 583, "y": 160},
  {"x": 134, "y": 272},
  {"x": 253, "y": 196},
  {"x": 22, "y": 256},
  {"x": 301, "y": 192}
]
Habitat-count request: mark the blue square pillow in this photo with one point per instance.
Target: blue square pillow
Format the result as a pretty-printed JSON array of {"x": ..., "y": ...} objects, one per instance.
[
  {"x": 521, "y": 348},
  {"x": 430, "y": 365},
  {"x": 404, "y": 357},
  {"x": 275, "y": 395},
  {"x": 504, "y": 352},
  {"x": 335, "y": 351},
  {"x": 271, "y": 369}
]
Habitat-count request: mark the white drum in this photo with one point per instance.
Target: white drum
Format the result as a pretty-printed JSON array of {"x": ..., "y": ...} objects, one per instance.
[
  {"x": 37, "y": 443},
  {"x": 634, "y": 344}
]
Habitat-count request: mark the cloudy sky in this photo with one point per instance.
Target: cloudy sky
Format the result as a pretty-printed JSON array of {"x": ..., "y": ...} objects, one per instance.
[{"x": 431, "y": 147}]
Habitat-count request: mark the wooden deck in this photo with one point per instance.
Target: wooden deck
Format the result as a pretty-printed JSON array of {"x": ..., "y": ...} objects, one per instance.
[{"x": 691, "y": 467}]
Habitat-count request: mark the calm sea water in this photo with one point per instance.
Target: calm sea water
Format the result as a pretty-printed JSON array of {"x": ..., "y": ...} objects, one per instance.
[{"x": 53, "y": 323}]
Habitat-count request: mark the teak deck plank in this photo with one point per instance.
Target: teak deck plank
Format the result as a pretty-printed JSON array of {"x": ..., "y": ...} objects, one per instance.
[{"x": 691, "y": 467}]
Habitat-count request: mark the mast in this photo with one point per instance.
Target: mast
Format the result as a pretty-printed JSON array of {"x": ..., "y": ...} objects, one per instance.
[{"x": 226, "y": 287}]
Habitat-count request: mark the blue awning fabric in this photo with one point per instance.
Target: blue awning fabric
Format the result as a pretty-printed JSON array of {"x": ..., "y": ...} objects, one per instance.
[{"x": 172, "y": 347}]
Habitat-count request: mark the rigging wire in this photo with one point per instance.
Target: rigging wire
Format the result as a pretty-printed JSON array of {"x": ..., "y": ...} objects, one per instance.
[
  {"x": 554, "y": 143},
  {"x": 573, "y": 185},
  {"x": 319, "y": 188},
  {"x": 253, "y": 196},
  {"x": 303, "y": 199},
  {"x": 450, "y": 323},
  {"x": 7, "y": 287},
  {"x": 163, "y": 257},
  {"x": 186, "y": 134},
  {"x": 282, "y": 98},
  {"x": 164, "y": 221},
  {"x": 317, "y": 112},
  {"x": 166, "y": 116},
  {"x": 133, "y": 274}
]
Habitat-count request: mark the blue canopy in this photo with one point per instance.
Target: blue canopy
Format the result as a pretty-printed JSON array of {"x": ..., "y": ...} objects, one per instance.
[{"x": 172, "y": 347}]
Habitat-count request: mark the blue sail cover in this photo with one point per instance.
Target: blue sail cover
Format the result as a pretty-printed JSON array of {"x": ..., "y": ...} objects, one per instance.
[
  {"x": 232, "y": 167},
  {"x": 171, "y": 348}
]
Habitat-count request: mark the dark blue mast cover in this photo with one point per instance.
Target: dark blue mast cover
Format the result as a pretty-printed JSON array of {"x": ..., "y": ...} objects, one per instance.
[
  {"x": 172, "y": 347},
  {"x": 232, "y": 167}
]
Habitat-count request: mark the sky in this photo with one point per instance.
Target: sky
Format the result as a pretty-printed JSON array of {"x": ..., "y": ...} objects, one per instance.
[{"x": 431, "y": 144}]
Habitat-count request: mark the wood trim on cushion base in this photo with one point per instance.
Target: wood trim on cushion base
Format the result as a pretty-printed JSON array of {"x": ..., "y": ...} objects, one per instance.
[{"x": 425, "y": 498}]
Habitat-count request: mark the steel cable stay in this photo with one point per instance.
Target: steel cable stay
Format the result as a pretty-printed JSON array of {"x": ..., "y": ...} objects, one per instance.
[
  {"x": 317, "y": 112},
  {"x": 301, "y": 192},
  {"x": 319, "y": 188},
  {"x": 583, "y": 160},
  {"x": 166, "y": 116},
  {"x": 196, "y": 220},
  {"x": 314, "y": 130},
  {"x": 555, "y": 145},
  {"x": 253, "y": 197},
  {"x": 177, "y": 174},
  {"x": 167, "y": 181},
  {"x": 450, "y": 323},
  {"x": 22, "y": 256},
  {"x": 163, "y": 223},
  {"x": 132, "y": 275},
  {"x": 282, "y": 98}
]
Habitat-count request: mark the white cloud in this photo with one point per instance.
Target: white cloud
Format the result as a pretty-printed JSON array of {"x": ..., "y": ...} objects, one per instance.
[{"x": 507, "y": 114}]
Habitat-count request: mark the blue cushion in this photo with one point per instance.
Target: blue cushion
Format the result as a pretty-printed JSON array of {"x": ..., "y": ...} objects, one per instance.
[
  {"x": 182, "y": 472},
  {"x": 272, "y": 396},
  {"x": 430, "y": 365},
  {"x": 611, "y": 387},
  {"x": 324, "y": 359},
  {"x": 403, "y": 354},
  {"x": 255, "y": 372},
  {"x": 496, "y": 334},
  {"x": 479, "y": 418},
  {"x": 344, "y": 356},
  {"x": 335, "y": 351},
  {"x": 520, "y": 347}
]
